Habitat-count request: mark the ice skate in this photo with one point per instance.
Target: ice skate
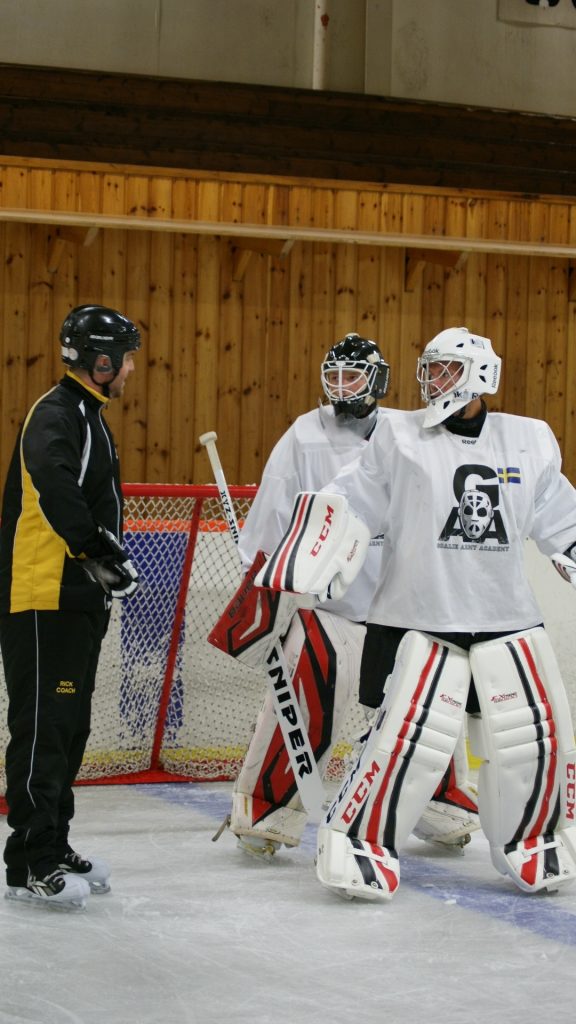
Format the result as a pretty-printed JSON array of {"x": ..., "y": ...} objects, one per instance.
[
  {"x": 94, "y": 871},
  {"x": 446, "y": 825},
  {"x": 261, "y": 846},
  {"x": 258, "y": 846},
  {"x": 261, "y": 830},
  {"x": 57, "y": 890}
]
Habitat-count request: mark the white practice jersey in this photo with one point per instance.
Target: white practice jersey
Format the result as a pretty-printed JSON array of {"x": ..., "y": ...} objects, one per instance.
[
  {"x": 309, "y": 454},
  {"x": 454, "y": 513}
]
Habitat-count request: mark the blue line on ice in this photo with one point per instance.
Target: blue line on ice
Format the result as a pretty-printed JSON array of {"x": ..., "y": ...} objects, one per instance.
[{"x": 538, "y": 914}]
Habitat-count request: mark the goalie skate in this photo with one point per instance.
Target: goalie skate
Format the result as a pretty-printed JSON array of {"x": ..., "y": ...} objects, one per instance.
[
  {"x": 258, "y": 846},
  {"x": 446, "y": 825},
  {"x": 56, "y": 891},
  {"x": 248, "y": 823},
  {"x": 355, "y": 868}
]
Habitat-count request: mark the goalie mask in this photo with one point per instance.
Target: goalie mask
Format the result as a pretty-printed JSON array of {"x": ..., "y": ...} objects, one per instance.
[
  {"x": 455, "y": 368},
  {"x": 354, "y": 376},
  {"x": 476, "y": 513},
  {"x": 96, "y": 333}
]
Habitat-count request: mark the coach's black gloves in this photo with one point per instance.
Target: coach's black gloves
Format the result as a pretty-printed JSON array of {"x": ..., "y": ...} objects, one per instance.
[{"x": 113, "y": 571}]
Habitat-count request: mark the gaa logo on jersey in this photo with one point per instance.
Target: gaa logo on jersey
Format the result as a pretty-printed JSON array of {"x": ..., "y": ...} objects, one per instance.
[{"x": 476, "y": 517}]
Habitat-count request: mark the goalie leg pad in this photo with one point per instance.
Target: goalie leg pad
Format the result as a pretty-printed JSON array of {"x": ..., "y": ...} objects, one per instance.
[
  {"x": 356, "y": 868},
  {"x": 526, "y": 738},
  {"x": 326, "y": 651},
  {"x": 408, "y": 749}
]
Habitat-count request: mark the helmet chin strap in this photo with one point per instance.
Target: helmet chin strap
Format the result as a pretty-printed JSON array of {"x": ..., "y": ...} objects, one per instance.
[
  {"x": 105, "y": 386},
  {"x": 355, "y": 410}
]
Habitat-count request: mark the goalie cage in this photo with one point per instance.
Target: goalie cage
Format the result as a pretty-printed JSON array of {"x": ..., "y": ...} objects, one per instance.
[{"x": 167, "y": 705}]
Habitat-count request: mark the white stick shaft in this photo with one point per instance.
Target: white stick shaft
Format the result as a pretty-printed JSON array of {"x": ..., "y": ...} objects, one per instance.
[{"x": 209, "y": 441}]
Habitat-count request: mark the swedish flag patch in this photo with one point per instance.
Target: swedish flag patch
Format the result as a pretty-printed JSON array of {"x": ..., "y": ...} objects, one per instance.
[{"x": 509, "y": 475}]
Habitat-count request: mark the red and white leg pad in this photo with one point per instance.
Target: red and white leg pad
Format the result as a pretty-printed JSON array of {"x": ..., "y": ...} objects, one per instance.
[
  {"x": 525, "y": 737},
  {"x": 404, "y": 758},
  {"x": 323, "y": 652}
]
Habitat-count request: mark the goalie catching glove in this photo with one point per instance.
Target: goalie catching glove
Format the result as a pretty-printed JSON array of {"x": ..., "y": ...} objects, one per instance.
[
  {"x": 113, "y": 570},
  {"x": 322, "y": 551}
]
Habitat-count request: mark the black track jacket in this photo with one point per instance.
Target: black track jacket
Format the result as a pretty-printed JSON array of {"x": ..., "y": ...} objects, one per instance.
[{"x": 63, "y": 480}]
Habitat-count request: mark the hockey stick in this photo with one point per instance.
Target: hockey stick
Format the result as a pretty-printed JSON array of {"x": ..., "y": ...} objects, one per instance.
[
  {"x": 294, "y": 731},
  {"x": 209, "y": 441}
]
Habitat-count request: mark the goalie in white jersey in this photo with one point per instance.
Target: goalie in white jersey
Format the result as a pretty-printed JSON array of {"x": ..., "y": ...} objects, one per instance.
[
  {"x": 323, "y": 646},
  {"x": 454, "y": 491}
]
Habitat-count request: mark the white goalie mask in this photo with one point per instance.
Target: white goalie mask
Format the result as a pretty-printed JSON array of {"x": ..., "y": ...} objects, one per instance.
[{"x": 471, "y": 369}]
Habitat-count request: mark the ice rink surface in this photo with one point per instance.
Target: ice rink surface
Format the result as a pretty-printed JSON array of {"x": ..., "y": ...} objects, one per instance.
[{"x": 196, "y": 932}]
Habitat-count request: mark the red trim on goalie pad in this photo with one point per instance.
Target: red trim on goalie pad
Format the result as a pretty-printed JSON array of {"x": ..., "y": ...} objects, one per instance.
[
  {"x": 315, "y": 675},
  {"x": 389, "y": 877},
  {"x": 543, "y": 790},
  {"x": 375, "y": 815},
  {"x": 447, "y": 792},
  {"x": 530, "y": 868},
  {"x": 3, "y": 806},
  {"x": 539, "y": 825}
]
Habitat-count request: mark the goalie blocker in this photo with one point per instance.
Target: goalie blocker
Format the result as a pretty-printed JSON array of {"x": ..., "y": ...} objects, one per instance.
[
  {"x": 253, "y": 620},
  {"x": 322, "y": 551}
]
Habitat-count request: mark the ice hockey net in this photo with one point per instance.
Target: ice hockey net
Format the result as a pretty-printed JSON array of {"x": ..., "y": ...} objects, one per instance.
[{"x": 167, "y": 704}]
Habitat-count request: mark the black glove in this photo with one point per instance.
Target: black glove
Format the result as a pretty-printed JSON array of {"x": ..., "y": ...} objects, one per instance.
[{"x": 113, "y": 571}]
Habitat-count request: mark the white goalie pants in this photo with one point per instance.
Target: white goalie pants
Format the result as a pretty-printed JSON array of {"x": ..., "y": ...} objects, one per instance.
[
  {"x": 323, "y": 652},
  {"x": 524, "y": 735}
]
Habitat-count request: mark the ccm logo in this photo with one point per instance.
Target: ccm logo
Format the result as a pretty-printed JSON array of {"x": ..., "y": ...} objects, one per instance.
[
  {"x": 360, "y": 793},
  {"x": 323, "y": 532},
  {"x": 570, "y": 790}
]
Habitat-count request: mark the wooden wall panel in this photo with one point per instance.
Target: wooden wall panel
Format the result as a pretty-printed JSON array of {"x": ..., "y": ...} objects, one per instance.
[
  {"x": 232, "y": 127},
  {"x": 234, "y": 329},
  {"x": 135, "y": 397}
]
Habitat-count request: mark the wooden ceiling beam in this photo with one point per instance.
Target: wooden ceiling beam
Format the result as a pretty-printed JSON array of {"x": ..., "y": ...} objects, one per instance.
[{"x": 285, "y": 233}]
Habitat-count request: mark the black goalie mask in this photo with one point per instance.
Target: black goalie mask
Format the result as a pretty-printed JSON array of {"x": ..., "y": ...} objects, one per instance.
[{"x": 354, "y": 376}]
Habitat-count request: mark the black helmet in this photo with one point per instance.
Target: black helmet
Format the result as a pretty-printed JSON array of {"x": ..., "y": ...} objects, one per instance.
[
  {"x": 90, "y": 331},
  {"x": 363, "y": 357}
]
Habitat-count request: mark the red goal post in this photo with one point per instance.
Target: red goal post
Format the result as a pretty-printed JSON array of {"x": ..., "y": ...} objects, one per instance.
[{"x": 167, "y": 705}]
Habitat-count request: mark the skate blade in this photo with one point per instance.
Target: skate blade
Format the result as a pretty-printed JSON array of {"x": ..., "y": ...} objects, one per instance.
[
  {"x": 455, "y": 846},
  {"x": 26, "y": 898},
  {"x": 265, "y": 853}
]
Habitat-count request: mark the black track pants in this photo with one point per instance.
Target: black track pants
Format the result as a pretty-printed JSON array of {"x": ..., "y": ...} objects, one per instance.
[{"x": 50, "y": 661}]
